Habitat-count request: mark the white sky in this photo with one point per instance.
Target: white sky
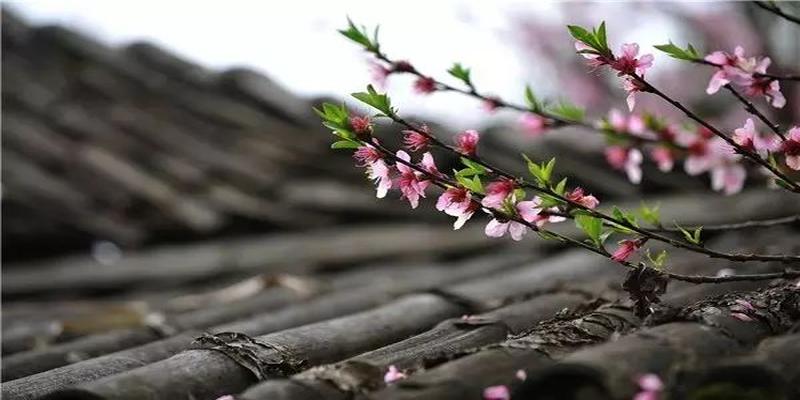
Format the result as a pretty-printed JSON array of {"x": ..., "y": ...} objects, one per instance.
[{"x": 295, "y": 41}]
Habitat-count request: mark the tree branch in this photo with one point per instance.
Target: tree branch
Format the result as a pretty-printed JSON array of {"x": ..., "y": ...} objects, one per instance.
[
  {"x": 790, "y": 185},
  {"x": 777, "y": 11},
  {"x": 444, "y": 183}
]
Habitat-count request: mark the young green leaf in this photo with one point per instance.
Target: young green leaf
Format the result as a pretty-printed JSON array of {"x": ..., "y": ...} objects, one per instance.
[
  {"x": 359, "y": 35},
  {"x": 689, "y": 53},
  {"x": 568, "y": 111},
  {"x": 691, "y": 237},
  {"x": 593, "y": 227},
  {"x": 659, "y": 260},
  {"x": 533, "y": 103},
  {"x": 561, "y": 187},
  {"x": 459, "y": 72},
  {"x": 345, "y": 144},
  {"x": 651, "y": 215},
  {"x": 379, "y": 101}
]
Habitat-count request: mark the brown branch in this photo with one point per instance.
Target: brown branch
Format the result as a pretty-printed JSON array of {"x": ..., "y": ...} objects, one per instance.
[
  {"x": 791, "y": 185},
  {"x": 500, "y": 103},
  {"x": 736, "y": 226},
  {"x": 644, "y": 232},
  {"x": 748, "y": 105},
  {"x": 445, "y": 183},
  {"x": 777, "y": 11},
  {"x": 755, "y": 74}
]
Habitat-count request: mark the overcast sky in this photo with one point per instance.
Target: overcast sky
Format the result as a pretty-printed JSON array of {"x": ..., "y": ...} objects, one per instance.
[{"x": 295, "y": 41}]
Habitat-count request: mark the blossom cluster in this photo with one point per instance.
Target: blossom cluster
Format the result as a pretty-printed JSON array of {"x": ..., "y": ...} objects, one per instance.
[
  {"x": 745, "y": 72},
  {"x": 502, "y": 194},
  {"x": 701, "y": 151}
]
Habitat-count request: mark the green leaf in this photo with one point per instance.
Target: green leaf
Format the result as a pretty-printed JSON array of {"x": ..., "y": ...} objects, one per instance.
[
  {"x": 651, "y": 215},
  {"x": 542, "y": 172},
  {"x": 345, "y": 144},
  {"x": 379, "y": 101},
  {"x": 561, "y": 187},
  {"x": 568, "y": 111},
  {"x": 593, "y": 227},
  {"x": 472, "y": 165},
  {"x": 600, "y": 35},
  {"x": 334, "y": 115},
  {"x": 459, "y": 72},
  {"x": 533, "y": 103},
  {"x": 473, "y": 185},
  {"x": 547, "y": 170},
  {"x": 359, "y": 35},
  {"x": 659, "y": 260},
  {"x": 582, "y": 35},
  {"x": 691, "y": 237},
  {"x": 689, "y": 53}
]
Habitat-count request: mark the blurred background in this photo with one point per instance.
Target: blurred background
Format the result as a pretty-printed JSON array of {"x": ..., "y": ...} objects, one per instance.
[
  {"x": 142, "y": 122},
  {"x": 164, "y": 156}
]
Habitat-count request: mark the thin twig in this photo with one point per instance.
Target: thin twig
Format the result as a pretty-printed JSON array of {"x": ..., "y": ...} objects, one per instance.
[
  {"x": 777, "y": 11},
  {"x": 748, "y": 105},
  {"x": 736, "y": 226},
  {"x": 792, "y": 186},
  {"x": 755, "y": 74},
  {"x": 500, "y": 103}
]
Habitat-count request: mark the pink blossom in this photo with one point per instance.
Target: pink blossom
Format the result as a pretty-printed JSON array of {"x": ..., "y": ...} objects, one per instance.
[
  {"x": 742, "y": 317},
  {"x": 577, "y": 196},
  {"x": 651, "y": 387},
  {"x": 411, "y": 183},
  {"x": 393, "y": 375},
  {"x": 425, "y": 85},
  {"x": 380, "y": 74},
  {"x": 627, "y": 159},
  {"x": 633, "y": 124},
  {"x": 727, "y": 175},
  {"x": 466, "y": 215},
  {"x": 549, "y": 215},
  {"x": 626, "y": 248},
  {"x": 632, "y": 87},
  {"x": 663, "y": 157},
  {"x": 366, "y": 155},
  {"x": 491, "y": 104},
  {"x": 361, "y": 124},
  {"x": 521, "y": 374},
  {"x": 497, "y": 192},
  {"x": 414, "y": 140},
  {"x": 650, "y": 382},
  {"x": 377, "y": 170},
  {"x": 770, "y": 89},
  {"x": 499, "y": 392},
  {"x": 594, "y": 60},
  {"x": 627, "y": 63},
  {"x": 749, "y": 139},
  {"x": 533, "y": 124},
  {"x": 498, "y": 228},
  {"x": 226, "y": 397},
  {"x": 429, "y": 165},
  {"x": 728, "y": 178},
  {"x": 380, "y": 173},
  {"x": 454, "y": 201},
  {"x": 467, "y": 142},
  {"x": 743, "y": 71},
  {"x": 791, "y": 148},
  {"x": 527, "y": 210}
]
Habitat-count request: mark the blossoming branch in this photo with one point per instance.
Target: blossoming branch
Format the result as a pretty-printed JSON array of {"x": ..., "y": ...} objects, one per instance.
[{"x": 503, "y": 197}]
